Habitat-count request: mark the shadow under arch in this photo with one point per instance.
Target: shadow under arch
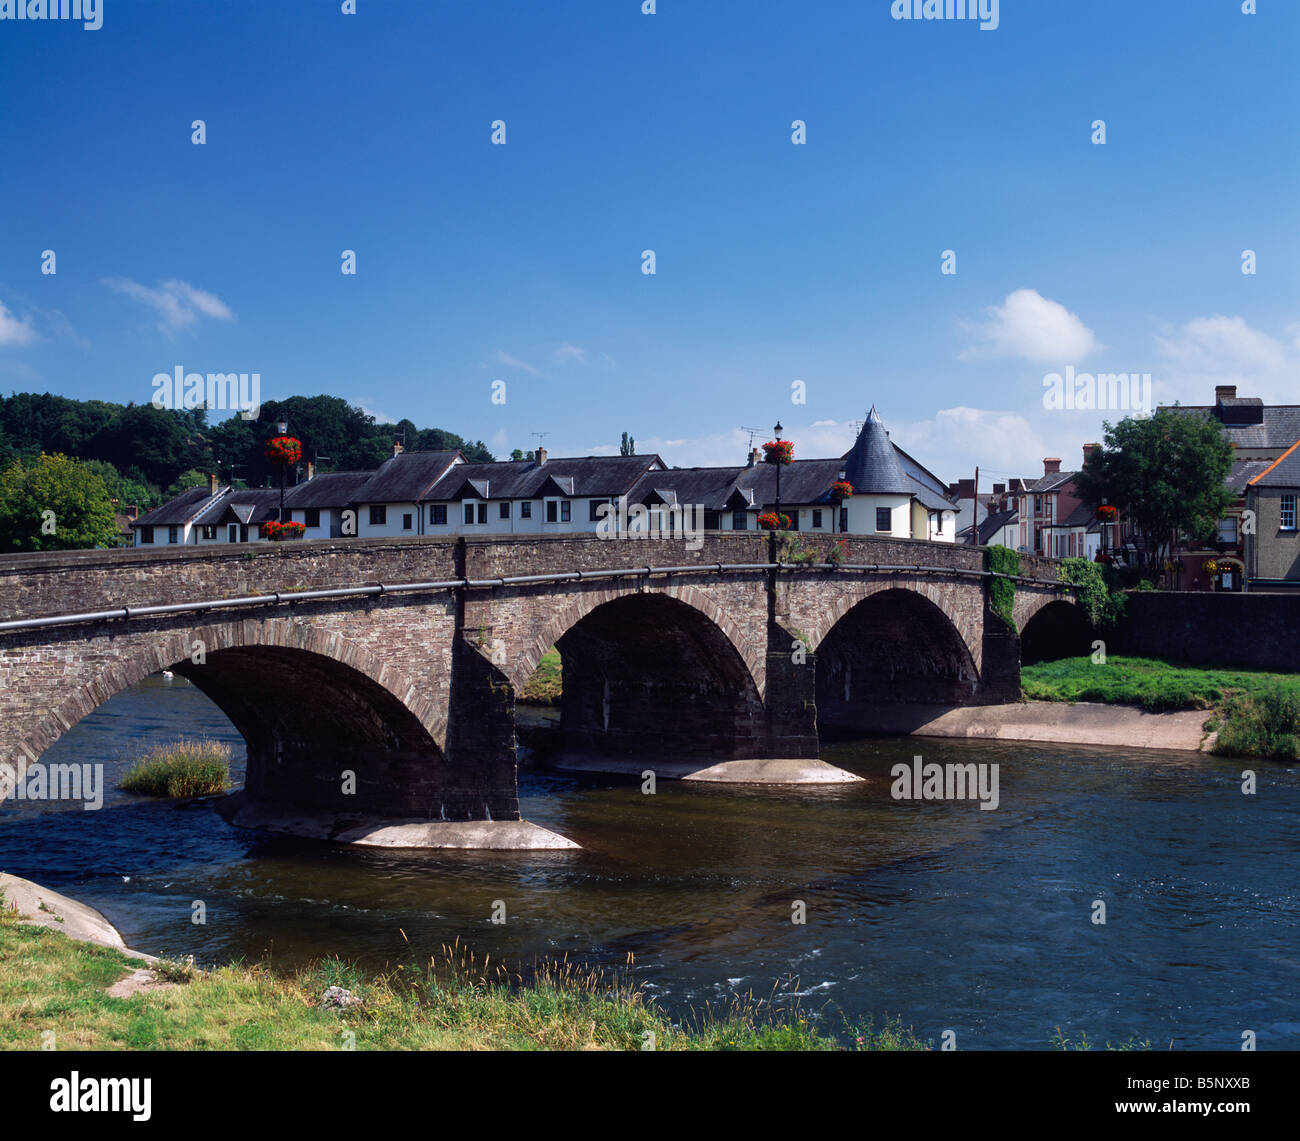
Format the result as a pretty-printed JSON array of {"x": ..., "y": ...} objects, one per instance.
[
  {"x": 648, "y": 675},
  {"x": 894, "y": 647},
  {"x": 1059, "y": 629},
  {"x": 311, "y": 705}
]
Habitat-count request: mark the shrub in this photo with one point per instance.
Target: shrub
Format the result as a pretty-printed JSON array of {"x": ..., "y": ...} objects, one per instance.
[
  {"x": 183, "y": 768},
  {"x": 1264, "y": 724},
  {"x": 1104, "y": 606}
]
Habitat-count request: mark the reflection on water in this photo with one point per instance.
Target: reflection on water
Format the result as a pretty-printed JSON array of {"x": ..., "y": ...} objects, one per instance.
[{"x": 952, "y": 917}]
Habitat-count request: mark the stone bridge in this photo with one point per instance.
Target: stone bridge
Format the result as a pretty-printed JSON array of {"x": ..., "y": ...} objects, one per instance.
[{"x": 398, "y": 660}]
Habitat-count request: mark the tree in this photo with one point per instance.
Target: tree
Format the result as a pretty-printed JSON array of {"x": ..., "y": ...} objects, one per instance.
[
  {"x": 1166, "y": 475},
  {"x": 186, "y": 480},
  {"x": 628, "y": 446},
  {"x": 54, "y": 504},
  {"x": 129, "y": 489}
]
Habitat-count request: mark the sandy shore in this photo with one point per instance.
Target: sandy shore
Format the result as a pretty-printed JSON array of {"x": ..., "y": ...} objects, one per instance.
[{"x": 1081, "y": 723}]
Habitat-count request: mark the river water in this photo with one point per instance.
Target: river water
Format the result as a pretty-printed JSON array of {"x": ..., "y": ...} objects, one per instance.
[{"x": 979, "y": 922}]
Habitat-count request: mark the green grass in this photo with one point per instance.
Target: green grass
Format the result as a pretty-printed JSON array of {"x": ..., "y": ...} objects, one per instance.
[
  {"x": 1257, "y": 712},
  {"x": 455, "y": 1002},
  {"x": 182, "y": 768},
  {"x": 544, "y": 687}
]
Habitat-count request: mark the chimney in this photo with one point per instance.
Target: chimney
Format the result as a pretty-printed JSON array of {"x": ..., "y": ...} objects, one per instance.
[
  {"x": 397, "y": 448},
  {"x": 132, "y": 511},
  {"x": 1051, "y": 466},
  {"x": 1225, "y": 392},
  {"x": 212, "y": 485},
  {"x": 541, "y": 456},
  {"x": 999, "y": 489},
  {"x": 311, "y": 470},
  {"x": 1088, "y": 450},
  {"x": 753, "y": 458}
]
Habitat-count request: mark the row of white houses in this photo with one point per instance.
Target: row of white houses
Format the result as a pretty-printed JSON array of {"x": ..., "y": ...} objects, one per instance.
[{"x": 440, "y": 493}]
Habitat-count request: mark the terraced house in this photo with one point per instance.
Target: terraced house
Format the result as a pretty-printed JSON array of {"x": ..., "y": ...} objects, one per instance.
[{"x": 440, "y": 493}]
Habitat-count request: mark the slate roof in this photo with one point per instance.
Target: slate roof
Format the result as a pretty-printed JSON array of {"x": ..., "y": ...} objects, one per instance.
[
  {"x": 179, "y": 510},
  {"x": 579, "y": 476},
  {"x": 1051, "y": 482},
  {"x": 328, "y": 489},
  {"x": 248, "y": 505},
  {"x": 407, "y": 478},
  {"x": 872, "y": 463},
  {"x": 1283, "y": 472},
  {"x": 994, "y": 523},
  {"x": 1243, "y": 471},
  {"x": 1279, "y": 425}
]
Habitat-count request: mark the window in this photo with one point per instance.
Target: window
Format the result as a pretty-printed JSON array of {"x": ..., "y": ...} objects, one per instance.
[
  {"x": 816, "y": 520},
  {"x": 1228, "y": 529},
  {"x": 566, "y": 511},
  {"x": 844, "y": 518},
  {"x": 407, "y": 521},
  {"x": 482, "y": 512},
  {"x": 503, "y": 510},
  {"x": 172, "y": 534},
  {"x": 232, "y": 534},
  {"x": 146, "y": 534},
  {"x": 739, "y": 520},
  {"x": 378, "y": 516},
  {"x": 712, "y": 520},
  {"x": 794, "y": 520},
  {"x": 883, "y": 520},
  {"x": 469, "y": 513},
  {"x": 1287, "y": 522},
  {"x": 438, "y": 514},
  {"x": 552, "y": 510},
  {"x": 311, "y": 516},
  {"x": 526, "y": 509},
  {"x": 210, "y": 532},
  {"x": 594, "y": 513}
]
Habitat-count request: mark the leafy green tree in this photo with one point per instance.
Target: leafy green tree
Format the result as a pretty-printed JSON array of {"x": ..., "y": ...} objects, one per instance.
[
  {"x": 1166, "y": 475},
  {"x": 54, "y": 503},
  {"x": 628, "y": 446},
  {"x": 186, "y": 480},
  {"x": 128, "y": 489}
]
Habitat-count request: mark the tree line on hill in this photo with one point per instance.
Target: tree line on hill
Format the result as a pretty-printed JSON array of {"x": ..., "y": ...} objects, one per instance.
[{"x": 140, "y": 455}]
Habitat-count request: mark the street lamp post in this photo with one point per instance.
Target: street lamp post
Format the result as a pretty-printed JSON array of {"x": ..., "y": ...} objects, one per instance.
[
  {"x": 778, "y": 430},
  {"x": 282, "y": 426}
]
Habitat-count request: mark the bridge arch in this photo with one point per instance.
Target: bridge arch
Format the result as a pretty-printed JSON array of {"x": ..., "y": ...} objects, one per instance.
[
  {"x": 1058, "y": 628},
  {"x": 309, "y": 702},
  {"x": 893, "y": 646},
  {"x": 576, "y": 607},
  {"x": 651, "y": 674}
]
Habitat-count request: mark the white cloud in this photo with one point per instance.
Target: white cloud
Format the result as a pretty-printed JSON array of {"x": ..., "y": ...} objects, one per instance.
[
  {"x": 515, "y": 362},
  {"x": 14, "y": 331},
  {"x": 567, "y": 352},
  {"x": 1032, "y": 327},
  {"x": 177, "y": 303},
  {"x": 1208, "y": 351}
]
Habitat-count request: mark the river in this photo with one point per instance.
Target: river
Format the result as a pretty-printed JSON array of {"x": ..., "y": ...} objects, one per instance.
[{"x": 954, "y": 918}]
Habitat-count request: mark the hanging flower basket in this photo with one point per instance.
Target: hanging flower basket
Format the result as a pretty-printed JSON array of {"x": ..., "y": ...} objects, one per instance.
[
  {"x": 841, "y": 489},
  {"x": 1210, "y": 567},
  {"x": 1107, "y": 514},
  {"x": 771, "y": 521},
  {"x": 282, "y": 532},
  {"x": 779, "y": 451},
  {"x": 283, "y": 450}
]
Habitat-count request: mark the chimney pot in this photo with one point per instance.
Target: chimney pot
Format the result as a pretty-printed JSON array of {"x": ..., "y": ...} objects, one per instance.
[
  {"x": 1051, "y": 465},
  {"x": 398, "y": 449},
  {"x": 212, "y": 485},
  {"x": 1225, "y": 391},
  {"x": 311, "y": 470},
  {"x": 753, "y": 457}
]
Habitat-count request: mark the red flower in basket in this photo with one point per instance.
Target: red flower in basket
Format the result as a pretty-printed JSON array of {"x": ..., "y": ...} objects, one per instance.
[
  {"x": 1107, "y": 514},
  {"x": 841, "y": 489},
  {"x": 283, "y": 450},
  {"x": 779, "y": 451},
  {"x": 771, "y": 521}
]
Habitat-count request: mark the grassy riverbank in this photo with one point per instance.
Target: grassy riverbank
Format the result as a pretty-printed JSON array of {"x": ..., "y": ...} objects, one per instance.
[
  {"x": 51, "y": 983},
  {"x": 1256, "y": 712},
  {"x": 544, "y": 687}
]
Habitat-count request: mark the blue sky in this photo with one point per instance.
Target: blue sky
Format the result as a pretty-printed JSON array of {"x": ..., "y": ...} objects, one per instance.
[{"x": 625, "y": 132}]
